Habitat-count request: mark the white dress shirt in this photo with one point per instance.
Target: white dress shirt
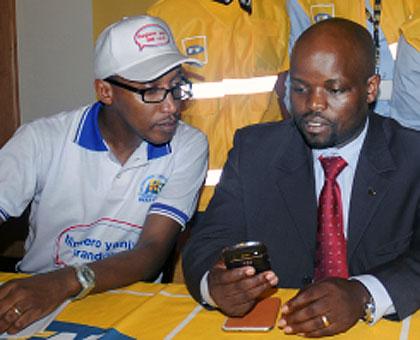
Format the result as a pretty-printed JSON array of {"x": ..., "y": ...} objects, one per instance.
[{"x": 350, "y": 153}]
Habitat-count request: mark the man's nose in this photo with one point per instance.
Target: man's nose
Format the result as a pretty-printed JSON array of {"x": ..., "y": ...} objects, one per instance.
[
  {"x": 317, "y": 100},
  {"x": 169, "y": 104}
]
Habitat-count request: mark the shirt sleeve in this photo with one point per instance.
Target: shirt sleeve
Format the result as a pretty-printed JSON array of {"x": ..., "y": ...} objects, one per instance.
[
  {"x": 383, "y": 302},
  {"x": 178, "y": 198},
  {"x": 204, "y": 290},
  {"x": 405, "y": 101},
  {"x": 19, "y": 160}
]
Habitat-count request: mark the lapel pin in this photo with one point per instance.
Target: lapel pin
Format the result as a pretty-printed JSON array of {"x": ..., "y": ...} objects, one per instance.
[{"x": 371, "y": 192}]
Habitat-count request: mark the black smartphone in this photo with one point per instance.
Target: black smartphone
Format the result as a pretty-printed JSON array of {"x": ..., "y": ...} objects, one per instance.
[{"x": 251, "y": 253}]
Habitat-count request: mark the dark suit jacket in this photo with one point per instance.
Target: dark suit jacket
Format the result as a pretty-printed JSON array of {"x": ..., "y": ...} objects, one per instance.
[{"x": 267, "y": 193}]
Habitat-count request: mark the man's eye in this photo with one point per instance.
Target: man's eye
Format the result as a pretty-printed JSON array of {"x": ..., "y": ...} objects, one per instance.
[
  {"x": 178, "y": 84},
  {"x": 175, "y": 82},
  {"x": 337, "y": 90},
  {"x": 298, "y": 89},
  {"x": 153, "y": 90}
]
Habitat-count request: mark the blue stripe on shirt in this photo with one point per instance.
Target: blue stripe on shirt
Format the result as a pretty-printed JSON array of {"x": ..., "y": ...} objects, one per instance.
[{"x": 177, "y": 214}]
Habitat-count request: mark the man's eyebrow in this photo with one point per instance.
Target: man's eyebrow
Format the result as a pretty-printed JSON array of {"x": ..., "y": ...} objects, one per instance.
[
  {"x": 297, "y": 80},
  {"x": 333, "y": 81},
  {"x": 328, "y": 81}
]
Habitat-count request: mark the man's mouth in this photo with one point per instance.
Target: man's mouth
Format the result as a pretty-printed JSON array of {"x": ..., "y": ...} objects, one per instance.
[
  {"x": 169, "y": 125},
  {"x": 315, "y": 123}
]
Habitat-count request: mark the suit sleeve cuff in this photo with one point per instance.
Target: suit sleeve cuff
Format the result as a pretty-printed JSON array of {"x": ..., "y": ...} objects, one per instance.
[
  {"x": 381, "y": 298},
  {"x": 206, "y": 299}
]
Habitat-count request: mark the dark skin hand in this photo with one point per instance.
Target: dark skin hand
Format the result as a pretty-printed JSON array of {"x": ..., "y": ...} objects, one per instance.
[
  {"x": 340, "y": 300},
  {"x": 237, "y": 290},
  {"x": 34, "y": 297},
  {"x": 39, "y": 295}
]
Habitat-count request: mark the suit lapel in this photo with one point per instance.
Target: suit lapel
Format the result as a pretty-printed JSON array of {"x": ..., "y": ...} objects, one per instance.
[
  {"x": 293, "y": 171},
  {"x": 295, "y": 181},
  {"x": 370, "y": 183}
]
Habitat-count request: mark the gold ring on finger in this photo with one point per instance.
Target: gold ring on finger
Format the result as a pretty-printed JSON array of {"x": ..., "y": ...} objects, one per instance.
[
  {"x": 17, "y": 311},
  {"x": 325, "y": 321}
]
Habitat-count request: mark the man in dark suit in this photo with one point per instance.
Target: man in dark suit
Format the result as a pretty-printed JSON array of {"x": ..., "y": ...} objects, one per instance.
[{"x": 272, "y": 182}]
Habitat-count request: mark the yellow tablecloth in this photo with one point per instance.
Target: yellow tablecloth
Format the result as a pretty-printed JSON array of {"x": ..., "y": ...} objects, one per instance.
[{"x": 158, "y": 311}]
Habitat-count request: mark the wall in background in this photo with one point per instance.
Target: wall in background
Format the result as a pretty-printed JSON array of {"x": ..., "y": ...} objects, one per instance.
[
  {"x": 55, "y": 50},
  {"x": 55, "y": 55},
  {"x": 9, "y": 94}
]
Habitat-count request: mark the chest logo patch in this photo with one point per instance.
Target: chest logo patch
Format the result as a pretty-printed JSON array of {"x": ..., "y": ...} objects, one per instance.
[
  {"x": 151, "y": 187},
  {"x": 196, "y": 47},
  {"x": 322, "y": 12}
]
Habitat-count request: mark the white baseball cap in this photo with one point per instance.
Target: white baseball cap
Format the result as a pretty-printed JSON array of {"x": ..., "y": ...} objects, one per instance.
[{"x": 139, "y": 48}]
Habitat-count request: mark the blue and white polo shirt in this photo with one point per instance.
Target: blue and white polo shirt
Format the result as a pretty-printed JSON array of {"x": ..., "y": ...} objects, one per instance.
[{"x": 86, "y": 206}]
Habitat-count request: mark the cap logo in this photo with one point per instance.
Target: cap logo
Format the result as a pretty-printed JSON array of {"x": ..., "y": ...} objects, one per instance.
[{"x": 151, "y": 35}]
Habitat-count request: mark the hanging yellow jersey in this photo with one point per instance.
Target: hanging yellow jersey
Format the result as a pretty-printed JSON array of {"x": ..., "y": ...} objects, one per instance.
[
  {"x": 410, "y": 7},
  {"x": 393, "y": 13},
  {"x": 242, "y": 56},
  {"x": 318, "y": 10},
  {"x": 392, "y": 17},
  {"x": 411, "y": 28}
]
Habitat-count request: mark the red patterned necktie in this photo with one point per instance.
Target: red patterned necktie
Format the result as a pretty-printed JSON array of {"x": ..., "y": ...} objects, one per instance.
[{"x": 331, "y": 253}]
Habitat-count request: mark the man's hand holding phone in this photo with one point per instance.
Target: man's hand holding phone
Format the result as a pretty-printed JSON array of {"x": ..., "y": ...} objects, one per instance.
[{"x": 236, "y": 290}]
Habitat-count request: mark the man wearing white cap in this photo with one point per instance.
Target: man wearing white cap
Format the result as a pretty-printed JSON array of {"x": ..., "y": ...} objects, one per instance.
[{"x": 111, "y": 184}]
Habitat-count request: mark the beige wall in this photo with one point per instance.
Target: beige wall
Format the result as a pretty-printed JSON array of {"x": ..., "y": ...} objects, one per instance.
[
  {"x": 55, "y": 50},
  {"x": 55, "y": 56}
]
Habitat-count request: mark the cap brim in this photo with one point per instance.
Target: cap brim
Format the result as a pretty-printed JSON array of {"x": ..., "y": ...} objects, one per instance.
[{"x": 155, "y": 67}]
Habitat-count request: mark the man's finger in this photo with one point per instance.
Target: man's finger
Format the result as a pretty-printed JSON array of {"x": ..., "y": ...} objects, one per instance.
[
  {"x": 253, "y": 288},
  {"x": 304, "y": 298},
  {"x": 224, "y": 276},
  {"x": 316, "y": 326}
]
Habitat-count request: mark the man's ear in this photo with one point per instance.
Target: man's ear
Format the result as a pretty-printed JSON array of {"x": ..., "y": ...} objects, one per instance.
[
  {"x": 103, "y": 91},
  {"x": 373, "y": 88}
]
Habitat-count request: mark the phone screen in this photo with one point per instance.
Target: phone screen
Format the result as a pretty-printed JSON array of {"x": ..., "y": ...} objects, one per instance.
[{"x": 251, "y": 253}]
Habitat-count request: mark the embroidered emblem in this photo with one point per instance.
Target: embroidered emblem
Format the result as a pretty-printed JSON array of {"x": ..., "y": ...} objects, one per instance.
[
  {"x": 151, "y": 35},
  {"x": 151, "y": 187},
  {"x": 196, "y": 47}
]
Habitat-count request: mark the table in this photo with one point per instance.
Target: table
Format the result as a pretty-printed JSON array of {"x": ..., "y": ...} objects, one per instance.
[{"x": 167, "y": 311}]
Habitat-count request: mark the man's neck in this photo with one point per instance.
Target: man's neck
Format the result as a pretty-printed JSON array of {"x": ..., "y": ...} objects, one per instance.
[{"x": 118, "y": 136}]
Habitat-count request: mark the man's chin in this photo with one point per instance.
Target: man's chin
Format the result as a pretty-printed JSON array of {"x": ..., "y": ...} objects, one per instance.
[
  {"x": 315, "y": 142},
  {"x": 161, "y": 139},
  {"x": 162, "y": 136},
  {"x": 319, "y": 140}
]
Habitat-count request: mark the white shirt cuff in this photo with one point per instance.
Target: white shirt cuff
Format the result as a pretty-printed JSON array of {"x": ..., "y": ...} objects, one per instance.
[
  {"x": 204, "y": 290},
  {"x": 383, "y": 302}
]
